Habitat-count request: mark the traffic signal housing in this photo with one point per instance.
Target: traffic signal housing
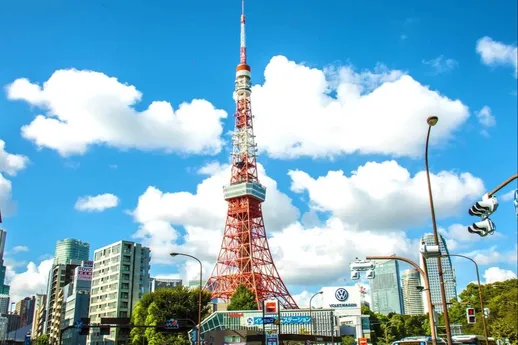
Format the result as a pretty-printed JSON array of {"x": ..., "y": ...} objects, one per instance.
[
  {"x": 470, "y": 315},
  {"x": 484, "y": 208},
  {"x": 482, "y": 228}
]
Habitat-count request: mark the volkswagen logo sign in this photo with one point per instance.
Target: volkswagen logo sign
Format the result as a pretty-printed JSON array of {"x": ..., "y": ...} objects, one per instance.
[{"x": 341, "y": 294}]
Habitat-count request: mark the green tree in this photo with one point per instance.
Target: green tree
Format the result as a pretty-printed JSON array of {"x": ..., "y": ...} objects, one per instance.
[
  {"x": 242, "y": 299},
  {"x": 161, "y": 305},
  {"x": 500, "y": 298},
  {"x": 348, "y": 340},
  {"x": 41, "y": 340}
]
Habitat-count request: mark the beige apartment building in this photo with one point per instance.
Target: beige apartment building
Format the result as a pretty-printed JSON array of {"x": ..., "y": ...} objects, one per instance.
[
  {"x": 120, "y": 279},
  {"x": 38, "y": 319}
]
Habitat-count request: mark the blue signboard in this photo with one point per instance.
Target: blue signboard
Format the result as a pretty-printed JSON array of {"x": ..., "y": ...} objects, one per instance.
[
  {"x": 267, "y": 320},
  {"x": 78, "y": 324},
  {"x": 194, "y": 336},
  {"x": 285, "y": 320}
]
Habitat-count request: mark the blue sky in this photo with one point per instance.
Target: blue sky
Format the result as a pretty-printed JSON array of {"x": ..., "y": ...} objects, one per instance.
[{"x": 387, "y": 67}]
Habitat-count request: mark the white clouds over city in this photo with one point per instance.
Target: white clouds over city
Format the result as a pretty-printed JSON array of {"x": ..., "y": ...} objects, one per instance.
[{"x": 97, "y": 203}]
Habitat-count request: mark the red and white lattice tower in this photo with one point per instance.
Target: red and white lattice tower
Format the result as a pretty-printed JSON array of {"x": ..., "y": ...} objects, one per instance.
[{"x": 245, "y": 256}]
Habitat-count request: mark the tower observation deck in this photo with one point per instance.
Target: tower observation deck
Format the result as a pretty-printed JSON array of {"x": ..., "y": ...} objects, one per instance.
[{"x": 245, "y": 257}]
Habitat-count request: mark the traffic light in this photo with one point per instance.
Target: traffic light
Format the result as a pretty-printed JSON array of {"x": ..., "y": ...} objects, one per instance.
[
  {"x": 470, "y": 315},
  {"x": 482, "y": 228},
  {"x": 484, "y": 208}
]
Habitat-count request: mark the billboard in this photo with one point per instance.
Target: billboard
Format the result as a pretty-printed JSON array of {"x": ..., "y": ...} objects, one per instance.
[
  {"x": 342, "y": 297},
  {"x": 84, "y": 273}
]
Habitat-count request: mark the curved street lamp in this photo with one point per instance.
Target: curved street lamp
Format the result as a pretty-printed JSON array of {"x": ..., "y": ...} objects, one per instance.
[
  {"x": 198, "y": 336},
  {"x": 432, "y": 121},
  {"x": 480, "y": 295}
]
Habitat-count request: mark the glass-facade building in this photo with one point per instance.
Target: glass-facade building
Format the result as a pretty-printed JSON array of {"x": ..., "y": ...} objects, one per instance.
[
  {"x": 71, "y": 249},
  {"x": 4, "y": 289},
  {"x": 412, "y": 297},
  {"x": 450, "y": 284},
  {"x": 386, "y": 291}
]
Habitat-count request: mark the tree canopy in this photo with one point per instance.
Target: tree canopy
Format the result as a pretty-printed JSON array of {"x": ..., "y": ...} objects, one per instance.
[
  {"x": 161, "y": 305},
  {"x": 502, "y": 300},
  {"x": 41, "y": 340},
  {"x": 499, "y": 297},
  {"x": 242, "y": 299}
]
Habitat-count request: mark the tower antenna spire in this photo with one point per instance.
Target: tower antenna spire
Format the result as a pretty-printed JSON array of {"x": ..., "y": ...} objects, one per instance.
[
  {"x": 245, "y": 257},
  {"x": 242, "y": 49}
]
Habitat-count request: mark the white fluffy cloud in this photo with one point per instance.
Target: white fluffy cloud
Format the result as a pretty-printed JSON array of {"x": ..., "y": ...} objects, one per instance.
[
  {"x": 327, "y": 112},
  {"x": 85, "y": 108},
  {"x": 20, "y": 249},
  {"x": 303, "y": 111},
  {"x": 304, "y": 253},
  {"x": 441, "y": 64},
  {"x": 385, "y": 195},
  {"x": 493, "y": 255},
  {"x": 202, "y": 214},
  {"x": 10, "y": 164},
  {"x": 494, "y": 53},
  {"x": 32, "y": 281},
  {"x": 96, "y": 203},
  {"x": 497, "y": 274}
]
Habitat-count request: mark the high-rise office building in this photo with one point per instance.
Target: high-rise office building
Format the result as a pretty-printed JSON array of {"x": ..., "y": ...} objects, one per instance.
[
  {"x": 450, "y": 284},
  {"x": 412, "y": 296},
  {"x": 386, "y": 288},
  {"x": 38, "y": 319},
  {"x": 71, "y": 249},
  {"x": 25, "y": 308},
  {"x": 76, "y": 302},
  {"x": 4, "y": 304},
  {"x": 163, "y": 283},
  {"x": 68, "y": 255},
  {"x": 120, "y": 279},
  {"x": 4, "y": 289}
]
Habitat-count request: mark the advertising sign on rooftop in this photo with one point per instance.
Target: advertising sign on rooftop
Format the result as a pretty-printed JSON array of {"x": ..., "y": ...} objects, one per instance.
[{"x": 84, "y": 273}]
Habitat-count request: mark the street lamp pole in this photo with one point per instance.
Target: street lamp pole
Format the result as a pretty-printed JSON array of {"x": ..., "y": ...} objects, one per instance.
[
  {"x": 198, "y": 336},
  {"x": 310, "y": 309},
  {"x": 480, "y": 294},
  {"x": 426, "y": 287},
  {"x": 432, "y": 121}
]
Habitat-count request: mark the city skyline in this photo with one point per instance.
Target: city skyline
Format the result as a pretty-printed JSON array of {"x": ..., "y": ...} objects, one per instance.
[{"x": 341, "y": 151}]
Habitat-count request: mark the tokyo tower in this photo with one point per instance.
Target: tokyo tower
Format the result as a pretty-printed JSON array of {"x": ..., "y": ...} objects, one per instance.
[{"x": 245, "y": 256}]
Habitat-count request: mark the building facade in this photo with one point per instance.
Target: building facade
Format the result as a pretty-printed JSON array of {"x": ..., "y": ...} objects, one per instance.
[
  {"x": 412, "y": 296},
  {"x": 386, "y": 293},
  {"x": 4, "y": 304},
  {"x": 4, "y": 289},
  {"x": 69, "y": 254},
  {"x": 163, "y": 283},
  {"x": 120, "y": 279},
  {"x": 25, "y": 308},
  {"x": 76, "y": 302},
  {"x": 59, "y": 276},
  {"x": 4, "y": 323},
  {"x": 38, "y": 319},
  {"x": 450, "y": 284},
  {"x": 71, "y": 249}
]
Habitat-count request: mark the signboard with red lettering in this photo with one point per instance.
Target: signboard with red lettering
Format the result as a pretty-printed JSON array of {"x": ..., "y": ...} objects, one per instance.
[{"x": 84, "y": 273}]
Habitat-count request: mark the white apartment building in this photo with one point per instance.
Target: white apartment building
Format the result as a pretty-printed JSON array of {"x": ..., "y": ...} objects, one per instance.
[{"x": 120, "y": 279}]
